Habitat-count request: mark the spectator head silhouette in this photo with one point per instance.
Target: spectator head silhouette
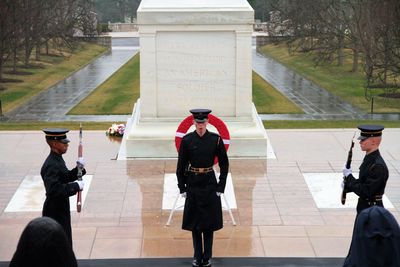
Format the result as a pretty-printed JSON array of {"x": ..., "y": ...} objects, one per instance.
[
  {"x": 43, "y": 243},
  {"x": 376, "y": 239}
]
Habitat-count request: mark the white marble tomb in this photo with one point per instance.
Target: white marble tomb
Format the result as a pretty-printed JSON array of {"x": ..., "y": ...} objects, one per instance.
[{"x": 194, "y": 54}]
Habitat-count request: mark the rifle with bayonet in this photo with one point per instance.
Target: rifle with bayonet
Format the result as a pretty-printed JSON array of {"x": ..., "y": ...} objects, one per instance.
[
  {"x": 348, "y": 165},
  {"x": 80, "y": 170}
]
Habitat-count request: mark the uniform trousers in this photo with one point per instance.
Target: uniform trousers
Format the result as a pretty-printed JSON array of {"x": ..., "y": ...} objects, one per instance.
[{"x": 198, "y": 237}]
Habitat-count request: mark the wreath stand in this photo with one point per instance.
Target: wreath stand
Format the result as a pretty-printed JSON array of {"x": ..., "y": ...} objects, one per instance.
[{"x": 174, "y": 208}]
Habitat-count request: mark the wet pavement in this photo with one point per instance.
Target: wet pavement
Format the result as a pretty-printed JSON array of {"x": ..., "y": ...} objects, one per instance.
[
  {"x": 311, "y": 98},
  {"x": 54, "y": 103},
  {"x": 277, "y": 212},
  {"x": 316, "y": 102}
]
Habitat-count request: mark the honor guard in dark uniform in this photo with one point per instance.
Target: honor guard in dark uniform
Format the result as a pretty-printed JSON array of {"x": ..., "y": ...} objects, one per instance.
[
  {"x": 59, "y": 182},
  {"x": 198, "y": 184},
  {"x": 370, "y": 186}
]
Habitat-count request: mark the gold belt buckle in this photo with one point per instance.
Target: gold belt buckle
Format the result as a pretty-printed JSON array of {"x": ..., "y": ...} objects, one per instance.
[{"x": 202, "y": 169}]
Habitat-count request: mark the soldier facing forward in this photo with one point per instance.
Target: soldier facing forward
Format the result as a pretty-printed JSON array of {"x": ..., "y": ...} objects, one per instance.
[{"x": 197, "y": 183}]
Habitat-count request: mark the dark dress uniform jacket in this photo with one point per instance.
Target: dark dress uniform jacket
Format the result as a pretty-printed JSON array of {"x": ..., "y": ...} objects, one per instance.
[
  {"x": 376, "y": 240},
  {"x": 57, "y": 181},
  {"x": 371, "y": 182},
  {"x": 203, "y": 209}
]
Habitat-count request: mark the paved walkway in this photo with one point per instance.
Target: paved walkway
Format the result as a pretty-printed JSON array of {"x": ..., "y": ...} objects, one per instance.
[{"x": 277, "y": 214}]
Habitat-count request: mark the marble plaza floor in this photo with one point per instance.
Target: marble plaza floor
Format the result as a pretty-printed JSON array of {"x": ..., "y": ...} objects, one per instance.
[{"x": 280, "y": 211}]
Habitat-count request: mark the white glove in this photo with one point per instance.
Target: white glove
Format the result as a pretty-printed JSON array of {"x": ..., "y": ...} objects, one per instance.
[
  {"x": 184, "y": 195},
  {"x": 346, "y": 172},
  {"x": 81, "y": 184},
  {"x": 218, "y": 194},
  {"x": 81, "y": 162}
]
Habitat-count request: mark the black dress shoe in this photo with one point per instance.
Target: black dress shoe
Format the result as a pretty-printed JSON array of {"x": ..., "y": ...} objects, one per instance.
[
  {"x": 196, "y": 263},
  {"x": 206, "y": 263}
]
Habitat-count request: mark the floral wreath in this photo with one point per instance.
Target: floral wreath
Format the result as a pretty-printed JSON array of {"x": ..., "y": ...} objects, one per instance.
[
  {"x": 213, "y": 120},
  {"x": 116, "y": 130}
]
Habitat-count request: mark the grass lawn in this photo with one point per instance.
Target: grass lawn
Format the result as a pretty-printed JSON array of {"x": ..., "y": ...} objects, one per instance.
[
  {"x": 338, "y": 80},
  {"x": 116, "y": 95},
  {"x": 268, "y": 100},
  {"x": 37, "y": 126},
  {"x": 52, "y": 69}
]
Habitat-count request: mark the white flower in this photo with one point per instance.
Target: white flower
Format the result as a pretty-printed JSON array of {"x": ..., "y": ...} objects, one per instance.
[{"x": 116, "y": 130}]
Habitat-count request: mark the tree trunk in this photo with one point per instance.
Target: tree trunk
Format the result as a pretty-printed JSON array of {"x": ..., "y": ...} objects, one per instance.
[
  {"x": 27, "y": 55},
  {"x": 28, "y": 51},
  {"x": 355, "y": 59},
  {"x": 37, "y": 57},
  {"x": 368, "y": 69},
  {"x": 1, "y": 65},
  {"x": 15, "y": 58},
  {"x": 341, "y": 50},
  {"x": 15, "y": 37}
]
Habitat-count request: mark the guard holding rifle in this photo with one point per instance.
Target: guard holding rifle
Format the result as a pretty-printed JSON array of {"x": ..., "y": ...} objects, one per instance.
[
  {"x": 370, "y": 186},
  {"x": 197, "y": 183},
  {"x": 60, "y": 183}
]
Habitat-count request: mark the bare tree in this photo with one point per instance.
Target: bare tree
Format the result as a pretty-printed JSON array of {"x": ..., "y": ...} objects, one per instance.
[
  {"x": 367, "y": 28},
  {"x": 86, "y": 18},
  {"x": 43, "y": 19},
  {"x": 379, "y": 35},
  {"x": 319, "y": 27},
  {"x": 332, "y": 21},
  {"x": 16, "y": 29},
  {"x": 6, "y": 9},
  {"x": 31, "y": 25},
  {"x": 132, "y": 6},
  {"x": 28, "y": 14},
  {"x": 302, "y": 17},
  {"x": 116, "y": 10}
]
